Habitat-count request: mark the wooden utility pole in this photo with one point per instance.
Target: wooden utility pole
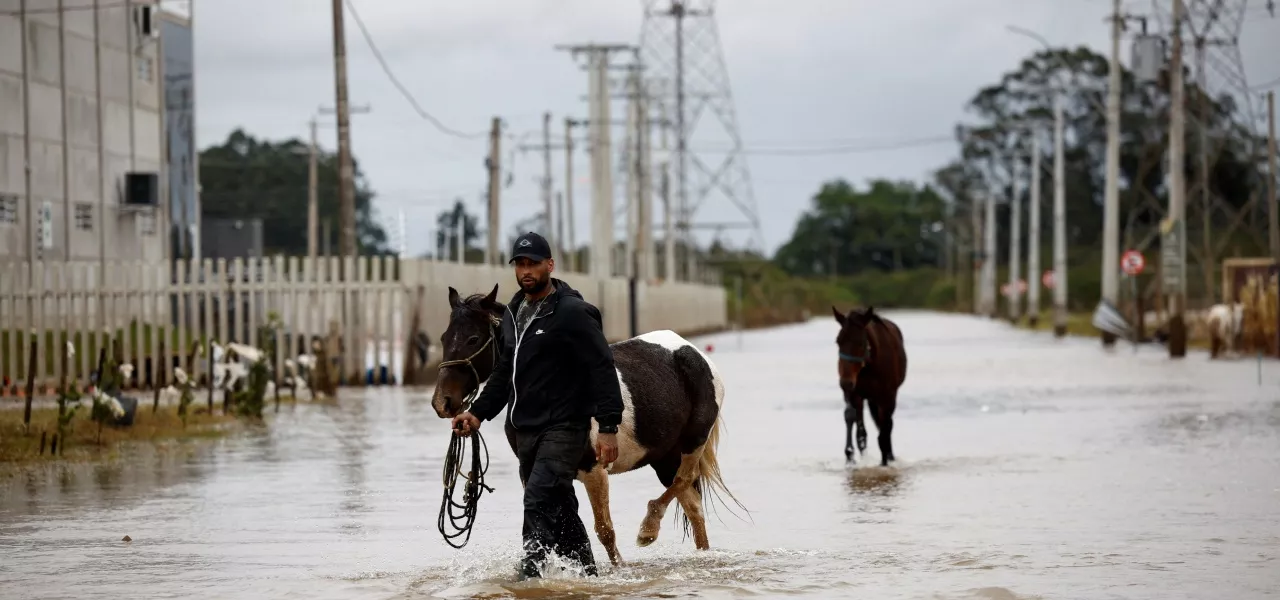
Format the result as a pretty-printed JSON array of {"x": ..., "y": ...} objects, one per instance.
[
  {"x": 1174, "y": 243},
  {"x": 313, "y": 199},
  {"x": 495, "y": 179},
  {"x": 346, "y": 175},
  {"x": 1272, "y": 206}
]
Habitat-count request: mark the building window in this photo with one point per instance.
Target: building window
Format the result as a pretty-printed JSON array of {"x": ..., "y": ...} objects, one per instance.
[
  {"x": 8, "y": 210},
  {"x": 144, "y": 68},
  {"x": 84, "y": 217}
]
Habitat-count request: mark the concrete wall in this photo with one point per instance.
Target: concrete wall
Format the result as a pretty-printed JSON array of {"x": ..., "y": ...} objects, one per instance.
[
  {"x": 682, "y": 307},
  {"x": 80, "y": 144}
]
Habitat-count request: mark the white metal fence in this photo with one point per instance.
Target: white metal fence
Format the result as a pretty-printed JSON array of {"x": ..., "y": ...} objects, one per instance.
[{"x": 166, "y": 309}]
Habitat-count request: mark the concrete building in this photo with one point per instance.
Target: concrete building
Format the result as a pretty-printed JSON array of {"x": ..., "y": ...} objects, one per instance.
[
  {"x": 80, "y": 106},
  {"x": 177, "y": 52}
]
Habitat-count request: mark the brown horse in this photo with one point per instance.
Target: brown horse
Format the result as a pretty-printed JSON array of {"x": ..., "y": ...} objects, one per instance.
[{"x": 872, "y": 366}]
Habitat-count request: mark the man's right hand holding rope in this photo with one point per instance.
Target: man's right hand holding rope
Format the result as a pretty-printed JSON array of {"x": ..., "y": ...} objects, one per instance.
[{"x": 465, "y": 423}]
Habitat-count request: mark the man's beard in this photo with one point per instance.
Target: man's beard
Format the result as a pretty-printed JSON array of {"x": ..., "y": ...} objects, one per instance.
[{"x": 537, "y": 286}]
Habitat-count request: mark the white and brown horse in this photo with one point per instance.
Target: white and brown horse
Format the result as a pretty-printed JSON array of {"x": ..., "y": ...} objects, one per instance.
[{"x": 672, "y": 396}]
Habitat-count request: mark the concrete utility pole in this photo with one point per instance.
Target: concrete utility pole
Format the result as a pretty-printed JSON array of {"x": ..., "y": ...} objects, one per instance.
[
  {"x": 1111, "y": 202},
  {"x": 313, "y": 197},
  {"x": 1059, "y": 223},
  {"x": 1033, "y": 237},
  {"x": 598, "y": 123},
  {"x": 568, "y": 192},
  {"x": 495, "y": 189},
  {"x": 668, "y": 222},
  {"x": 979, "y": 286},
  {"x": 1015, "y": 238},
  {"x": 989, "y": 261},
  {"x": 644, "y": 213},
  {"x": 1174, "y": 244},
  {"x": 546, "y": 179},
  {"x": 632, "y": 166},
  {"x": 346, "y": 174},
  {"x": 1272, "y": 207}
]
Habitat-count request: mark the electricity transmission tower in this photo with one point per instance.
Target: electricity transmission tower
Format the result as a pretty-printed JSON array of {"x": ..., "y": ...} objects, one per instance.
[{"x": 680, "y": 45}]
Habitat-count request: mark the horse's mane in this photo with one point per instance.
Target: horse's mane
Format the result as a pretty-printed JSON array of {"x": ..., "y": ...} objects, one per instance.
[
  {"x": 475, "y": 304},
  {"x": 873, "y": 316}
]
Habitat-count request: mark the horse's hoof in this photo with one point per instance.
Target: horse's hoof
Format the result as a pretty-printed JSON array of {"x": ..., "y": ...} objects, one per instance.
[{"x": 645, "y": 540}]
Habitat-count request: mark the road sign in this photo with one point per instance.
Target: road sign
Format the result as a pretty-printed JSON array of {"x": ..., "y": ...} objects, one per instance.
[
  {"x": 1047, "y": 279},
  {"x": 1172, "y": 254},
  {"x": 1132, "y": 262}
]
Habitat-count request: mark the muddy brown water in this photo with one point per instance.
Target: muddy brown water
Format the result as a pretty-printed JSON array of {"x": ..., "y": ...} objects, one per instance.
[{"x": 1028, "y": 468}]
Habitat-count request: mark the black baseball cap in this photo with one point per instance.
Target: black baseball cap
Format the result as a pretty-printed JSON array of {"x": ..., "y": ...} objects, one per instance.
[{"x": 531, "y": 246}]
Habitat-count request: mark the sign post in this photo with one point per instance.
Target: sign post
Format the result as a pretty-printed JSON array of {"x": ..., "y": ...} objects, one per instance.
[{"x": 1132, "y": 263}]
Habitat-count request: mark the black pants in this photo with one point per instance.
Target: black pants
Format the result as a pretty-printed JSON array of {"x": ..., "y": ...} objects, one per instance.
[{"x": 548, "y": 465}]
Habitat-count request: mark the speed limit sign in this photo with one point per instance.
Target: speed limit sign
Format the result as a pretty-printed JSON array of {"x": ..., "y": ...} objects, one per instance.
[{"x": 1132, "y": 263}]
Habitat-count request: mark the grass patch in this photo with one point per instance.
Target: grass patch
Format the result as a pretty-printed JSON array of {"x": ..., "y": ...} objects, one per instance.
[{"x": 18, "y": 448}]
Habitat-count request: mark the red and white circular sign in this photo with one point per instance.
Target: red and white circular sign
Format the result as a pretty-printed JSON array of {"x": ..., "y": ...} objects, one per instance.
[{"x": 1132, "y": 262}]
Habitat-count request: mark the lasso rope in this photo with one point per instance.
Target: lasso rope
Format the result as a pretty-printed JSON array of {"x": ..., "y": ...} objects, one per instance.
[{"x": 461, "y": 516}]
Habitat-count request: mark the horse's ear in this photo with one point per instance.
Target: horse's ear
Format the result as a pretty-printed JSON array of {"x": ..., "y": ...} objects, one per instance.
[
  {"x": 454, "y": 300},
  {"x": 492, "y": 298},
  {"x": 840, "y": 318},
  {"x": 871, "y": 310}
]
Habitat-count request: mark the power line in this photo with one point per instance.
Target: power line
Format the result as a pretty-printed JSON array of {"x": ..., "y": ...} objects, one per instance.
[{"x": 377, "y": 54}]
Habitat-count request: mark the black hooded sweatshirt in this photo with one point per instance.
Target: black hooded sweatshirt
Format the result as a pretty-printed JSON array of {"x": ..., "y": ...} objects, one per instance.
[{"x": 558, "y": 369}]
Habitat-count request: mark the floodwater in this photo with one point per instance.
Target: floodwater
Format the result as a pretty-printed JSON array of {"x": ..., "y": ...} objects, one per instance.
[{"x": 1028, "y": 468}]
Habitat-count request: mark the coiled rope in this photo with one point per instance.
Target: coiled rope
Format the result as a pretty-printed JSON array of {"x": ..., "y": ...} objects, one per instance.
[
  {"x": 461, "y": 516},
  {"x": 457, "y": 518}
]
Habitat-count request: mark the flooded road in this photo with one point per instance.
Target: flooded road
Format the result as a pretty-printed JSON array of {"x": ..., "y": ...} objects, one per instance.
[{"x": 1027, "y": 467}]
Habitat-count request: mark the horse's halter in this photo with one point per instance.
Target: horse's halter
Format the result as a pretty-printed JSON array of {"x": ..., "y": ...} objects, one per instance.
[
  {"x": 858, "y": 359},
  {"x": 494, "y": 324}
]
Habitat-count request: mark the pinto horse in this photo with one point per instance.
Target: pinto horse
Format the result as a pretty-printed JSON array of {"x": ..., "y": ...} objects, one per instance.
[
  {"x": 872, "y": 366},
  {"x": 672, "y": 396}
]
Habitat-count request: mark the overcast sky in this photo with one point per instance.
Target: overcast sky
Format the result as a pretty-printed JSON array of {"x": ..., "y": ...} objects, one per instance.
[{"x": 804, "y": 73}]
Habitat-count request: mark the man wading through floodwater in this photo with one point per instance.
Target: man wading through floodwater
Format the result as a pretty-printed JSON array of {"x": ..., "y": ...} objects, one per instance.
[{"x": 556, "y": 371}]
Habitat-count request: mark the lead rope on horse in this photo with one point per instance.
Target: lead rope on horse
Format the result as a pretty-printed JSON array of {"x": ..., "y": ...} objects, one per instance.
[{"x": 461, "y": 516}]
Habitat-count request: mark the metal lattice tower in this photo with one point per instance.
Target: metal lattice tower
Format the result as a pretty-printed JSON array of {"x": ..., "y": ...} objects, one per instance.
[{"x": 682, "y": 57}]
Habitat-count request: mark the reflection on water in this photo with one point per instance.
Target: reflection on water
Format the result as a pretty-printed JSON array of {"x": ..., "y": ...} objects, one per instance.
[
  {"x": 874, "y": 481},
  {"x": 1028, "y": 468}
]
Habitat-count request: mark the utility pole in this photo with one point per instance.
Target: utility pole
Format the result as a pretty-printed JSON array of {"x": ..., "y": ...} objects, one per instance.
[
  {"x": 1015, "y": 237},
  {"x": 568, "y": 191},
  {"x": 989, "y": 261},
  {"x": 644, "y": 214},
  {"x": 1059, "y": 223},
  {"x": 1033, "y": 235},
  {"x": 493, "y": 164},
  {"x": 1272, "y": 207},
  {"x": 1174, "y": 243},
  {"x": 313, "y": 198},
  {"x": 346, "y": 175},
  {"x": 977, "y": 261},
  {"x": 668, "y": 223},
  {"x": 546, "y": 179},
  {"x": 1111, "y": 202},
  {"x": 598, "y": 123}
]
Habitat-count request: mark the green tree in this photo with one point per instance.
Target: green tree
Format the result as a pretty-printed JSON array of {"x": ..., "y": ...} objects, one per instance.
[
  {"x": 245, "y": 177},
  {"x": 447, "y": 233},
  {"x": 890, "y": 226}
]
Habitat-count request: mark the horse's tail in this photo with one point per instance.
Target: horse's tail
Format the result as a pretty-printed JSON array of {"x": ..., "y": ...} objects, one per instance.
[{"x": 701, "y": 383}]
